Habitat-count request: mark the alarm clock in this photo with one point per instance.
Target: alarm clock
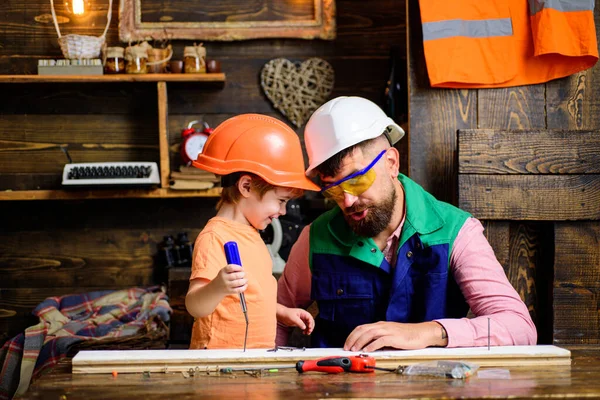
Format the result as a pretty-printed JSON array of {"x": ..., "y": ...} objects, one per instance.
[{"x": 193, "y": 141}]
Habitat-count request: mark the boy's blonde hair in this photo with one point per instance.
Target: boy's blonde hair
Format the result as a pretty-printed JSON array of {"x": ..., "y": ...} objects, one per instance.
[{"x": 231, "y": 194}]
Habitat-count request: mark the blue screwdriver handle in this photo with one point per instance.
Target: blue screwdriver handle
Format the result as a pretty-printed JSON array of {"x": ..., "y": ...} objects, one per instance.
[{"x": 233, "y": 257}]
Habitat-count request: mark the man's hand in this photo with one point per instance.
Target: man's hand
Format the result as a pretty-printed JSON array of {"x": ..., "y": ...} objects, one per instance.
[
  {"x": 371, "y": 337},
  {"x": 296, "y": 317}
]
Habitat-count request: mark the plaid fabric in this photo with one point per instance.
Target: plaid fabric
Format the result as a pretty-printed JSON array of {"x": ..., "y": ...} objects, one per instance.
[{"x": 70, "y": 319}]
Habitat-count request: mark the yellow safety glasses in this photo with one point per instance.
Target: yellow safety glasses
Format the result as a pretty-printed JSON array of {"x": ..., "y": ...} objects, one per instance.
[{"x": 355, "y": 184}]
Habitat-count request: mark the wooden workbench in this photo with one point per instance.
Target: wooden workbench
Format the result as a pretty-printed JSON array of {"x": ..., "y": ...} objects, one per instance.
[{"x": 580, "y": 379}]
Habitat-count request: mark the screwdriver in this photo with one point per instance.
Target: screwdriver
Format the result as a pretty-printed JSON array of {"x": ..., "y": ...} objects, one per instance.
[
  {"x": 330, "y": 365},
  {"x": 233, "y": 257}
]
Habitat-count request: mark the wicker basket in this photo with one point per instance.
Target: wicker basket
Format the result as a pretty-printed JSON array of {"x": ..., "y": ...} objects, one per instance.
[{"x": 81, "y": 46}]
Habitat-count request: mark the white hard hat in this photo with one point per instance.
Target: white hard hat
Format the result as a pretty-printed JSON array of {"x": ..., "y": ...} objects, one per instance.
[{"x": 343, "y": 122}]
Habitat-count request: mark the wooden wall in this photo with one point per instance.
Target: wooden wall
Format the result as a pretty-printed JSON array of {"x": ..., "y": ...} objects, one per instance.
[
  {"x": 57, "y": 247},
  {"x": 553, "y": 265}
]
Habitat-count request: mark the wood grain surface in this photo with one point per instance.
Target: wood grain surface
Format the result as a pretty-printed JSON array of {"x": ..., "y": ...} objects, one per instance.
[
  {"x": 131, "y": 361},
  {"x": 581, "y": 379}
]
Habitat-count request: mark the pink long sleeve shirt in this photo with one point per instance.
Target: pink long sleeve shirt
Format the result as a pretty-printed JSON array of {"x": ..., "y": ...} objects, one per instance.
[{"x": 477, "y": 272}]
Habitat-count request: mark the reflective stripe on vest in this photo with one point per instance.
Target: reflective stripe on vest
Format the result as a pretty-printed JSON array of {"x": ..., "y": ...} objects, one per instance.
[
  {"x": 536, "y": 6},
  {"x": 473, "y": 29},
  {"x": 475, "y": 44}
]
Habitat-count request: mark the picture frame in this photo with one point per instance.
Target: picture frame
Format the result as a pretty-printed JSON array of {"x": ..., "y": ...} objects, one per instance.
[{"x": 227, "y": 20}]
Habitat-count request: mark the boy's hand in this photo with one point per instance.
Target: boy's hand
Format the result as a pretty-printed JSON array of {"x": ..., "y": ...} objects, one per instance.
[
  {"x": 296, "y": 317},
  {"x": 232, "y": 279}
]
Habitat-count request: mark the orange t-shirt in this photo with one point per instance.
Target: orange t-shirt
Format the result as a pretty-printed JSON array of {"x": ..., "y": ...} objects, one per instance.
[{"x": 226, "y": 326}]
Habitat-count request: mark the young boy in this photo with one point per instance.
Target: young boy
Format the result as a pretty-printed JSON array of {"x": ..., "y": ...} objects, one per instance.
[{"x": 260, "y": 161}]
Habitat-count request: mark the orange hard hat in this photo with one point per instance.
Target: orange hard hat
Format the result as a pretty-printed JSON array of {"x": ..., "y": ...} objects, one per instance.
[{"x": 258, "y": 144}]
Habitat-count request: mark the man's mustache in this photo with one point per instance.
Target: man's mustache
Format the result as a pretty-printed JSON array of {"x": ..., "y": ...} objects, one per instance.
[{"x": 356, "y": 209}]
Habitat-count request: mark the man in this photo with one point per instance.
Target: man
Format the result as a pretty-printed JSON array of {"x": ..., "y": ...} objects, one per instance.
[{"x": 390, "y": 266}]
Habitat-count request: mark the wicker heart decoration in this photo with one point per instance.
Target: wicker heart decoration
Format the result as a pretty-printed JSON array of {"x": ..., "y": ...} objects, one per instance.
[{"x": 297, "y": 90}]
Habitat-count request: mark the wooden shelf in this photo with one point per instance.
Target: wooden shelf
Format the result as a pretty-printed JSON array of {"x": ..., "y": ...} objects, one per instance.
[
  {"x": 79, "y": 194},
  {"x": 214, "y": 77},
  {"x": 163, "y": 134}
]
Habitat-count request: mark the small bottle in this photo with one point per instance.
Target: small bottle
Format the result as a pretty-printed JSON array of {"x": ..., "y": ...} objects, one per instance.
[
  {"x": 194, "y": 59},
  {"x": 115, "y": 60},
  {"x": 167, "y": 251},
  {"x": 185, "y": 248},
  {"x": 137, "y": 59},
  {"x": 177, "y": 254}
]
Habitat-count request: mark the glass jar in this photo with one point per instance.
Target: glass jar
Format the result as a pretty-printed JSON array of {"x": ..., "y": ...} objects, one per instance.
[
  {"x": 115, "y": 60},
  {"x": 137, "y": 59},
  {"x": 158, "y": 59},
  {"x": 194, "y": 59}
]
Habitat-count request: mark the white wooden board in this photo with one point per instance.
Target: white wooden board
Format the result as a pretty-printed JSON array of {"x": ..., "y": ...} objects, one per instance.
[{"x": 124, "y": 361}]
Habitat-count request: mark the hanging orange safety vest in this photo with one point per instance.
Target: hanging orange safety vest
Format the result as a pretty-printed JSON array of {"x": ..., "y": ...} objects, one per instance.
[{"x": 485, "y": 44}]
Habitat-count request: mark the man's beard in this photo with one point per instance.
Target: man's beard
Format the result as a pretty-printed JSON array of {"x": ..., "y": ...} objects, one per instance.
[{"x": 377, "y": 219}]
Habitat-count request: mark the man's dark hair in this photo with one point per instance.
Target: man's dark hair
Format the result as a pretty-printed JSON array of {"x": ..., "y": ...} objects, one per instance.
[{"x": 331, "y": 166}]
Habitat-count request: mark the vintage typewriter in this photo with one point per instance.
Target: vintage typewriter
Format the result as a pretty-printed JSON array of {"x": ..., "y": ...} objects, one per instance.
[{"x": 111, "y": 174}]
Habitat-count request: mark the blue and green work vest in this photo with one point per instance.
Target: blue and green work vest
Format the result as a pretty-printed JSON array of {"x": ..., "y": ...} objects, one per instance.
[{"x": 353, "y": 284}]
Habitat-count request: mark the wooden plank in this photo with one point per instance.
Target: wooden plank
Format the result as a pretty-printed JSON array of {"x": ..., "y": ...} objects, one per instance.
[
  {"x": 530, "y": 197},
  {"x": 103, "y": 361},
  {"x": 434, "y": 117},
  {"x": 163, "y": 134},
  {"x": 80, "y": 98},
  {"x": 162, "y": 216},
  {"x": 81, "y": 133},
  {"x": 524, "y": 263},
  {"x": 106, "y": 194},
  {"x": 577, "y": 282},
  {"x": 577, "y": 255},
  {"x": 43, "y": 270},
  {"x": 95, "y": 138},
  {"x": 572, "y": 102},
  {"x": 489, "y": 151},
  {"x": 66, "y": 258},
  {"x": 519, "y": 107},
  {"x": 207, "y": 77},
  {"x": 576, "y": 316},
  {"x": 23, "y": 301},
  {"x": 27, "y": 181}
]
